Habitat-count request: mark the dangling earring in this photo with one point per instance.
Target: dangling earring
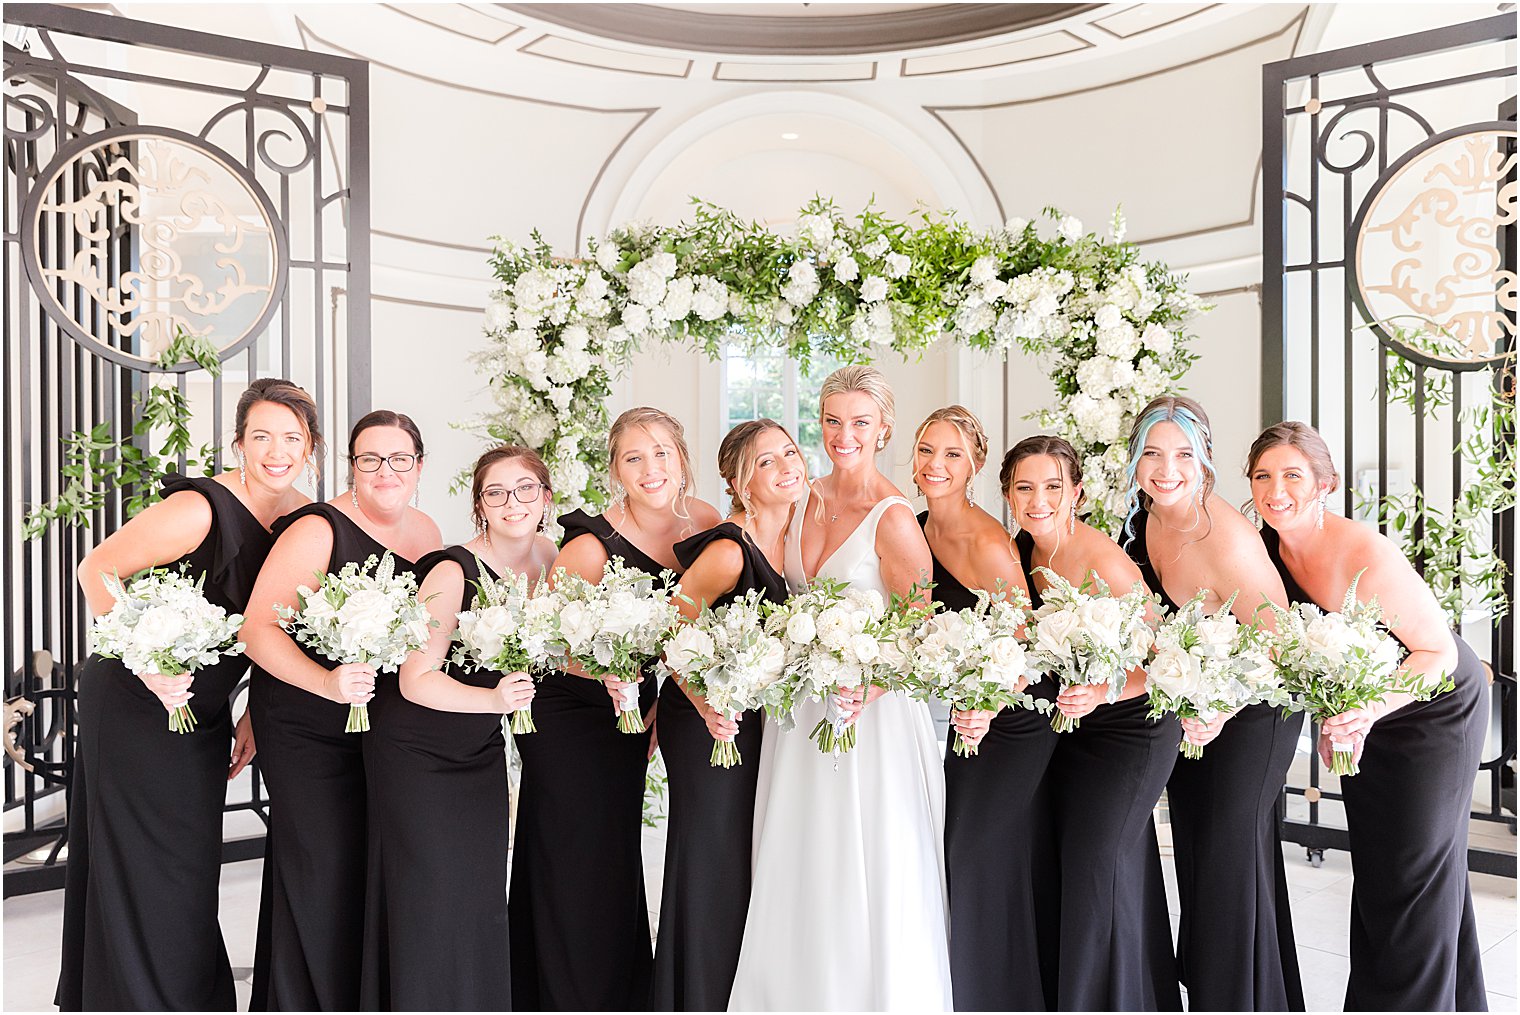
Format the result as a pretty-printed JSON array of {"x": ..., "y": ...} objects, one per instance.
[
  {"x": 354, "y": 493},
  {"x": 1071, "y": 521},
  {"x": 311, "y": 474},
  {"x": 485, "y": 534},
  {"x": 242, "y": 468},
  {"x": 416, "y": 495},
  {"x": 881, "y": 441},
  {"x": 970, "y": 499},
  {"x": 1319, "y": 522}
]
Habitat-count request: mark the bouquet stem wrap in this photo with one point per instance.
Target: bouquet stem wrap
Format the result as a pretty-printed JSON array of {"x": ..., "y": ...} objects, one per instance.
[
  {"x": 630, "y": 719},
  {"x": 725, "y": 753},
  {"x": 834, "y": 734},
  {"x": 358, "y": 719},
  {"x": 1343, "y": 758}
]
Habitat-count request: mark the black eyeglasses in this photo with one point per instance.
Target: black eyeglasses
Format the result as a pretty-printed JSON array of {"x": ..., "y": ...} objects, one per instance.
[
  {"x": 526, "y": 493},
  {"x": 398, "y": 463}
]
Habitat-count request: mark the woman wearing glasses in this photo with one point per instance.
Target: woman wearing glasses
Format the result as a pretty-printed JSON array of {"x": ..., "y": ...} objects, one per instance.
[
  {"x": 311, "y": 921},
  {"x": 435, "y": 759}
]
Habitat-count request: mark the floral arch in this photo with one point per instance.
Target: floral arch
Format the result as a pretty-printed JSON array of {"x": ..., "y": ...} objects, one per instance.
[{"x": 1108, "y": 328}]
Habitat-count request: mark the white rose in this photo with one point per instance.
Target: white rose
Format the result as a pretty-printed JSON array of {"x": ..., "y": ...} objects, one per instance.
[
  {"x": 873, "y": 289},
  {"x": 1157, "y": 339},
  {"x": 846, "y": 269},
  {"x": 865, "y": 648},
  {"x": 576, "y": 625},
  {"x": 317, "y": 610},
  {"x": 608, "y": 255},
  {"x": 984, "y": 269},
  {"x": 1108, "y": 316},
  {"x": 1330, "y": 637},
  {"x": 1176, "y": 672},
  {"x": 1007, "y": 655},
  {"x": 1216, "y": 638},
  {"x": 898, "y": 265},
  {"x": 367, "y": 608},
  {"x": 486, "y": 632},
  {"x": 800, "y": 629},
  {"x": 159, "y": 627},
  {"x": 1102, "y": 618},
  {"x": 689, "y": 646},
  {"x": 1070, "y": 227},
  {"x": 498, "y": 316},
  {"x": 1055, "y": 633}
]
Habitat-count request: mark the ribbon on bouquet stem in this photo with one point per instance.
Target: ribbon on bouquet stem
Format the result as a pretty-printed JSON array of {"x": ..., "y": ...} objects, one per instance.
[{"x": 630, "y": 719}]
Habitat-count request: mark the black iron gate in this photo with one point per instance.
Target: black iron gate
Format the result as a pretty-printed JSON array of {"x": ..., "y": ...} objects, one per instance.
[
  {"x": 1388, "y": 322},
  {"x": 173, "y": 200}
]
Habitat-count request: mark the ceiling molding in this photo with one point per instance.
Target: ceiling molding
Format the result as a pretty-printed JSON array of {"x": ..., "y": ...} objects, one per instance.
[{"x": 759, "y": 35}]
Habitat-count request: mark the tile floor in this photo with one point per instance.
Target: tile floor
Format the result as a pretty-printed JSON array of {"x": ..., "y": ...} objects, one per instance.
[{"x": 1321, "y": 898}]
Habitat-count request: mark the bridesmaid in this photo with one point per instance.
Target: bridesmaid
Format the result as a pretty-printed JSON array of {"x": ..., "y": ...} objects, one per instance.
[
  {"x": 712, "y": 810},
  {"x": 1003, "y": 917},
  {"x": 140, "y": 927},
  {"x": 577, "y": 910},
  {"x": 1414, "y": 943},
  {"x": 1106, "y": 776},
  {"x": 311, "y": 918},
  {"x": 435, "y": 764},
  {"x": 1235, "y": 942}
]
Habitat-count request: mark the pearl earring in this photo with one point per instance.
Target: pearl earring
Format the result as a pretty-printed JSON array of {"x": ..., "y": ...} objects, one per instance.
[{"x": 881, "y": 441}]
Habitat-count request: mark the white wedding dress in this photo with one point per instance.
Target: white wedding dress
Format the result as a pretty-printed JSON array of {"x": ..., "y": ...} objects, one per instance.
[{"x": 847, "y": 908}]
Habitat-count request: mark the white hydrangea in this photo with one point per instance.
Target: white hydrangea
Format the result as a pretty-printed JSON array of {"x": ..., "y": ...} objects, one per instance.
[
  {"x": 993, "y": 290},
  {"x": 678, "y": 298},
  {"x": 802, "y": 283},
  {"x": 636, "y": 317},
  {"x": 608, "y": 255},
  {"x": 1015, "y": 226},
  {"x": 817, "y": 231},
  {"x": 533, "y": 291},
  {"x": 898, "y": 265},
  {"x": 569, "y": 366},
  {"x": 1095, "y": 377},
  {"x": 560, "y": 397},
  {"x": 498, "y": 315},
  {"x": 881, "y": 329},
  {"x": 1151, "y": 378},
  {"x": 873, "y": 289},
  {"x": 1108, "y": 316},
  {"x": 877, "y": 248},
  {"x": 576, "y": 337},
  {"x": 1157, "y": 339},
  {"x": 984, "y": 269},
  {"x": 1119, "y": 341},
  {"x": 569, "y": 476},
  {"x": 646, "y": 283},
  {"x": 536, "y": 428},
  {"x": 972, "y": 320},
  {"x": 710, "y": 301}
]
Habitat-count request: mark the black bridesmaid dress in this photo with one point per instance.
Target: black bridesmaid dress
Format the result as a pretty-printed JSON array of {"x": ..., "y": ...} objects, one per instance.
[
  {"x": 712, "y": 812},
  {"x": 577, "y": 910},
  {"x": 140, "y": 929},
  {"x": 435, "y": 915},
  {"x": 1414, "y": 940},
  {"x": 1235, "y": 943},
  {"x": 1105, "y": 778},
  {"x": 1000, "y": 852},
  {"x": 311, "y": 917}
]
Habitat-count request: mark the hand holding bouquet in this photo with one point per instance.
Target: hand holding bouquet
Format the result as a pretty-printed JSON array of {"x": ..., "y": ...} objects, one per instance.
[
  {"x": 1206, "y": 665},
  {"x": 363, "y": 614},
  {"x": 498, "y": 633},
  {"x": 613, "y": 628},
  {"x": 1088, "y": 636},
  {"x": 163, "y": 623},
  {"x": 726, "y": 656},
  {"x": 837, "y": 640},
  {"x": 1335, "y": 662},
  {"x": 974, "y": 659}
]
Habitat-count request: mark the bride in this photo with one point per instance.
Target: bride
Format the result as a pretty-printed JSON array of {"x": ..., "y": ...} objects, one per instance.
[{"x": 847, "y": 910}]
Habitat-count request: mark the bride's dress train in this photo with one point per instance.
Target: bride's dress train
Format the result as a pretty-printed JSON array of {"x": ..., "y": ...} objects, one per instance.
[{"x": 847, "y": 910}]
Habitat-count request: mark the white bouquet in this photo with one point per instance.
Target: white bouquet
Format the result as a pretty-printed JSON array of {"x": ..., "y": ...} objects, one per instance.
[
  {"x": 498, "y": 633},
  {"x": 836, "y": 638},
  {"x": 1333, "y": 662},
  {"x": 974, "y": 659},
  {"x": 1089, "y": 637},
  {"x": 726, "y": 656},
  {"x": 162, "y": 623},
  {"x": 363, "y": 614},
  {"x": 611, "y": 628},
  {"x": 1208, "y": 664}
]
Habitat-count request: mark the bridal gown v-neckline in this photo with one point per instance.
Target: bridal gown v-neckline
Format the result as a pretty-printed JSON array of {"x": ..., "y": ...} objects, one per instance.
[{"x": 847, "y": 909}]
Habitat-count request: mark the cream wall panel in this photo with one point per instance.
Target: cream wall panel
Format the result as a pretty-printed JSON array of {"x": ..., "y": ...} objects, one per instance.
[{"x": 1179, "y": 149}]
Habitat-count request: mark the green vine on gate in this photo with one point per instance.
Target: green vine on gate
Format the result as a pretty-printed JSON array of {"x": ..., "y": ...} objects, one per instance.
[
  {"x": 95, "y": 464},
  {"x": 1454, "y": 548}
]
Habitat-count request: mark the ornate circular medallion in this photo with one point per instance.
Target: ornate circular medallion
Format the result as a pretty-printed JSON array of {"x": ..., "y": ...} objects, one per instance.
[
  {"x": 1427, "y": 244},
  {"x": 134, "y": 236}
]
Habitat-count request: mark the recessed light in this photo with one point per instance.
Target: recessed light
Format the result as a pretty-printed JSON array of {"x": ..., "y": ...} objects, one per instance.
[{"x": 790, "y": 136}]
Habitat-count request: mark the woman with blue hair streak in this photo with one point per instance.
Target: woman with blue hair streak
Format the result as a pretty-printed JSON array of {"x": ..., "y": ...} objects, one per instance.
[{"x": 1235, "y": 942}]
